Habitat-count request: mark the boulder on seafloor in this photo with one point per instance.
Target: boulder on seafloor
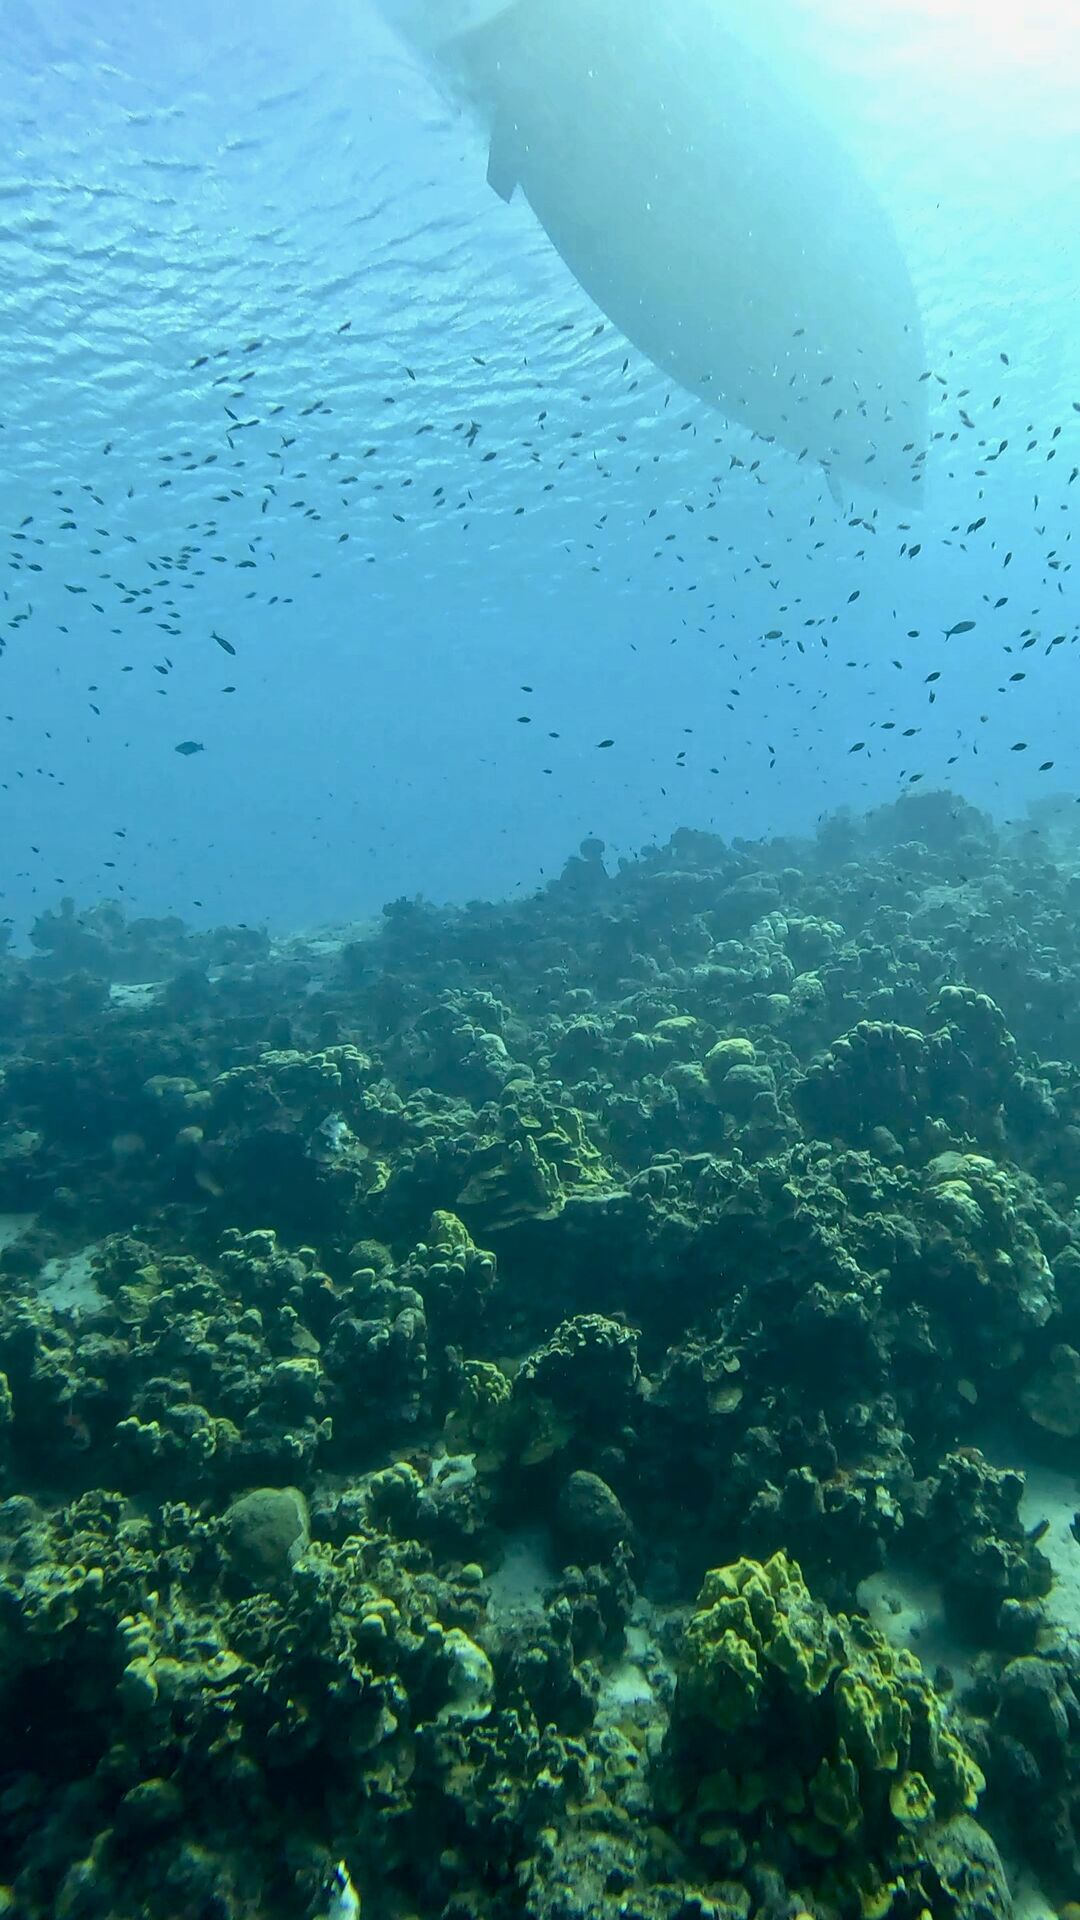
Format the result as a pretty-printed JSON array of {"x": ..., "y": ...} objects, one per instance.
[
  {"x": 267, "y": 1531},
  {"x": 590, "y": 1519}
]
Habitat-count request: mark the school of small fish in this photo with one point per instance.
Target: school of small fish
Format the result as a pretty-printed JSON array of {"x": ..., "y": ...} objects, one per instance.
[{"x": 259, "y": 466}]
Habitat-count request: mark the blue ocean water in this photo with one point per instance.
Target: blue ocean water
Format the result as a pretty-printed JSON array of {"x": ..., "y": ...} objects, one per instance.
[{"x": 255, "y": 295}]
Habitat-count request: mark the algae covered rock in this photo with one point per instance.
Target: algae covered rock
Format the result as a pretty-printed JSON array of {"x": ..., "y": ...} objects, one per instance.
[
  {"x": 470, "y": 1679},
  {"x": 967, "y": 1527},
  {"x": 590, "y": 1364},
  {"x": 726, "y": 1054},
  {"x": 993, "y": 1218},
  {"x": 590, "y": 1519},
  {"x": 1027, "y": 1715},
  {"x": 527, "y": 1169},
  {"x": 968, "y": 1870},
  {"x": 267, "y": 1530},
  {"x": 572, "y": 1393}
]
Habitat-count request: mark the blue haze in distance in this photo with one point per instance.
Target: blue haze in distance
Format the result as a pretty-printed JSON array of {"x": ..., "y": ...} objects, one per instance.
[{"x": 186, "y": 181}]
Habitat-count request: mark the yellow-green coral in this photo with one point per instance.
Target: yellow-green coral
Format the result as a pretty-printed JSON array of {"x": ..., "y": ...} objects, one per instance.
[
  {"x": 527, "y": 1171},
  {"x": 814, "y": 1724},
  {"x": 750, "y": 1617},
  {"x": 511, "y": 1181},
  {"x": 448, "y": 1268},
  {"x": 911, "y": 1800},
  {"x": 736, "y": 1051}
]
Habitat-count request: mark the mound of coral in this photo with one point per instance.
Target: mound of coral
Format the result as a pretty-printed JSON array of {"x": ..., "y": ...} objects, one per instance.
[{"x": 457, "y": 1378}]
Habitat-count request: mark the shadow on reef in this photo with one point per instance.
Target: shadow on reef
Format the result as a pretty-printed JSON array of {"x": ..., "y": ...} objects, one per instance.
[{"x": 399, "y": 1330}]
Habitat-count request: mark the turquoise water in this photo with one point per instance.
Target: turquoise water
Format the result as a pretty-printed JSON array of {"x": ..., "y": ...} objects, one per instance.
[
  {"x": 497, "y": 1401},
  {"x": 283, "y": 215}
]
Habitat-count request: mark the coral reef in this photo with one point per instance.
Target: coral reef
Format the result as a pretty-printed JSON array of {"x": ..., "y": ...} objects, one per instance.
[
  {"x": 399, "y": 1329},
  {"x": 804, "y": 1743}
]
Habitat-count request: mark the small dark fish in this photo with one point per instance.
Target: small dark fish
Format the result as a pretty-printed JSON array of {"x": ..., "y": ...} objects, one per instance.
[
  {"x": 190, "y": 746},
  {"x": 961, "y": 626},
  {"x": 225, "y": 645},
  {"x": 605, "y": 743}
]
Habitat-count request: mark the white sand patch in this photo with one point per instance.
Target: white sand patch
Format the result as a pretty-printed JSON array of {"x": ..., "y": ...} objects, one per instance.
[
  {"x": 13, "y": 1226},
  {"x": 1053, "y": 1496},
  {"x": 625, "y": 1687},
  {"x": 134, "y": 993},
  {"x": 640, "y": 1684},
  {"x": 68, "y": 1283},
  {"x": 907, "y": 1607},
  {"x": 525, "y": 1573}
]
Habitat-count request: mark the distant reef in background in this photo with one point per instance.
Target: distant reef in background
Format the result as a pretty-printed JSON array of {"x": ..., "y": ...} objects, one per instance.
[{"x": 539, "y": 1402}]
